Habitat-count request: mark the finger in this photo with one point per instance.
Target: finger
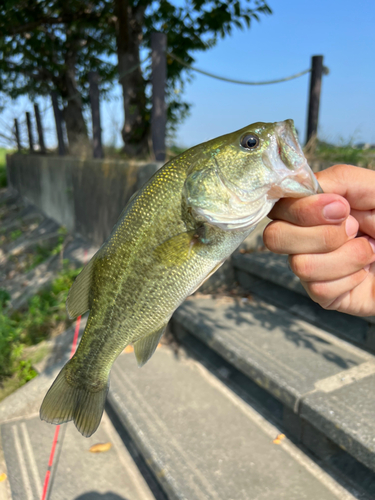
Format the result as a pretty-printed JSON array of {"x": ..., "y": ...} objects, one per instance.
[
  {"x": 326, "y": 292},
  {"x": 359, "y": 300},
  {"x": 366, "y": 220},
  {"x": 351, "y": 257},
  {"x": 355, "y": 184},
  {"x": 313, "y": 210},
  {"x": 284, "y": 237}
]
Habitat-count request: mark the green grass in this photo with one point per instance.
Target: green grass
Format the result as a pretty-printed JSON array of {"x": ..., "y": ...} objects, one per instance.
[
  {"x": 18, "y": 329},
  {"x": 344, "y": 153},
  {"x": 3, "y": 173}
]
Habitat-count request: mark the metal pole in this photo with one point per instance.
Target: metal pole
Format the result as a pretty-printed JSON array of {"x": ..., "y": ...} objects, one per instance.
[
  {"x": 30, "y": 132},
  {"x": 40, "y": 129},
  {"x": 159, "y": 77},
  {"x": 17, "y": 134},
  {"x": 95, "y": 114},
  {"x": 314, "y": 96}
]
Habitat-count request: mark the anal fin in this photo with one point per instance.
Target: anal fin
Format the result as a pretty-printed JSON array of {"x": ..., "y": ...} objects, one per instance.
[{"x": 145, "y": 347}]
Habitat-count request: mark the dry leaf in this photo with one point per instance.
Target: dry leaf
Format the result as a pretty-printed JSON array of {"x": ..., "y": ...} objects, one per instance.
[
  {"x": 100, "y": 447},
  {"x": 3, "y": 476},
  {"x": 279, "y": 438}
]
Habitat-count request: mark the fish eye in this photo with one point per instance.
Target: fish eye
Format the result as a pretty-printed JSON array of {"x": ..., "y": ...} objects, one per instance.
[{"x": 250, "y": 141}]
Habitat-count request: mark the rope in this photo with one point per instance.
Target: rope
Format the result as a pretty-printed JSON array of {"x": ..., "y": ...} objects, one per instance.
[
  {"x": 57, "y": 430},
  {"x": 241, "y": 82}
]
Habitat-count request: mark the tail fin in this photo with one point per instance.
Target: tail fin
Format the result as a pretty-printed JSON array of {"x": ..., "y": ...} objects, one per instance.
[{"x": 64, "y": 402}]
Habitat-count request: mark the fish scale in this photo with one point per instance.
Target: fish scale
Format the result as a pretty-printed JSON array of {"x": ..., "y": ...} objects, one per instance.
[{"x": 173, "y": 234}]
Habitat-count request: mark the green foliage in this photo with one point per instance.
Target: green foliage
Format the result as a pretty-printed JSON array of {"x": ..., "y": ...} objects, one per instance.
[
  {"x": 42, "y": 253},
  {"x": 15, "y": 234},
  {"x": 3, "y": 172},
  {"x": 52, "y": 45},
  {"x": 24, "y": 328},
  {"x": 345, "y": 153}
]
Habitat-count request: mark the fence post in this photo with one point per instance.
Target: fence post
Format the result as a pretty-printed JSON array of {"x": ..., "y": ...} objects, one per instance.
[
  {"x": 39, "y": 128},
  {"x": 95, "y": 114},
  {"x": 159, "y": 77},
  {"x": 58, "y": 121},
  {"x": 314, "y": 96},
  {"x": 17, "y": 134},
  {"x": 30, "y": 132}
]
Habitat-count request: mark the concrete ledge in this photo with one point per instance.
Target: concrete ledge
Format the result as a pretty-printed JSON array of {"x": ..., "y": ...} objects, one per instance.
[
  {"x": 86, "y": 196},
  {"x": 269, "y": 276},
  {"x": 310, "y": 371},
  {"x": 202, "y": 441}
]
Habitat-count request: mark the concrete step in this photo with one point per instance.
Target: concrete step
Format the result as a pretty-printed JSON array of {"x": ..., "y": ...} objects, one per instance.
[
  {"x": 203, "y": 441},
  {"x": 268, "y": 275},
  {"x": 25, "y": 445},
  {"x": 77, "y": 473},
  {"x": 318, "y": 377}
]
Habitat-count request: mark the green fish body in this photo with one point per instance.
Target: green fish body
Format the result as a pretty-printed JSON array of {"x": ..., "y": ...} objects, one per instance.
[{"x": 172, "y": 235}]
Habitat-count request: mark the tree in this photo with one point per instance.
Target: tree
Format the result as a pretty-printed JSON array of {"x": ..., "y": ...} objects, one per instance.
[
  {"x": 195, "y": 25},
  {"x": 52, "y": 45}
]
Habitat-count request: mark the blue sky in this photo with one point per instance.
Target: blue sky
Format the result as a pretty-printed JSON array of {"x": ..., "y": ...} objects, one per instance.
[{"x": 279, "y": 45}]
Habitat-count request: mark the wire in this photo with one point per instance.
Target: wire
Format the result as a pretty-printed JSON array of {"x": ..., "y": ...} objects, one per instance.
[{"x": 230, "y": 80}]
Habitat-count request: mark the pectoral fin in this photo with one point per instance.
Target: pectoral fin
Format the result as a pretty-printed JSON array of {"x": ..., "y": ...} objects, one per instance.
[
  {"x": 178, "y": 249},
  {"x": 146, "y": 346}
]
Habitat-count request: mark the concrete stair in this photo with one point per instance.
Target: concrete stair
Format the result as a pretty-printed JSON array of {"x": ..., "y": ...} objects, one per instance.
[
  {"x": 257, "y": 400},
  {"x": 268, "y": 276}
]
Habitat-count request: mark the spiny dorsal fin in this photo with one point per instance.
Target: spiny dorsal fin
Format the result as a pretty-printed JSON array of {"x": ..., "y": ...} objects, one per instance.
[
  {"x": 78, "y": 301},
  {"x": 146, "y": 346}
]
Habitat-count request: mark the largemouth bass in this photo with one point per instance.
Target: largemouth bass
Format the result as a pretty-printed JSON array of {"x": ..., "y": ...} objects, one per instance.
[{"x": 173, "y": 234}]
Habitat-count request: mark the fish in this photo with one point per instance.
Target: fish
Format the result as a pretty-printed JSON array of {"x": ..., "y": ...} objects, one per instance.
[{"x": 173, "y": 234}]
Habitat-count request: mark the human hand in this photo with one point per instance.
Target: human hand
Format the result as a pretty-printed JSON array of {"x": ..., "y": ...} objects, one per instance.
[{"x": 330, "y": 239}]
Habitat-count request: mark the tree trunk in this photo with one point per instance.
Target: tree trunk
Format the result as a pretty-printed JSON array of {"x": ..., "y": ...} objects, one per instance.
[
  {"x": 136, "y": 130},
  {"x": 79, "y": 143}
]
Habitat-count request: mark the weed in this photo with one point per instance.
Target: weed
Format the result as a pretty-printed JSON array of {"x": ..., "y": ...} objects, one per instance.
[
  {"x": 45, "y": 311},
  {"x": 3, "y": 173},
  {"x": 15, "y": 234}
]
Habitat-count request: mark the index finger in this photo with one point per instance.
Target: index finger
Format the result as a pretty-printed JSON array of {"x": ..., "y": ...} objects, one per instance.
[{"x": 315, "y": 210}]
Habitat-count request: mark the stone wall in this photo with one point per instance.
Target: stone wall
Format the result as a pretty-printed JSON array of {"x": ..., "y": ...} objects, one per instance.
[{"x": 86, "y": 196}]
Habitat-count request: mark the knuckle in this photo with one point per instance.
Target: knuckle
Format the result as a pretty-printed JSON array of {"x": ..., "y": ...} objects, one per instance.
[
  {"x": 363, "y": 252},
  {"x": 272, "y": 237},
  {"x": 331, "y": 238},
  {"x": 318, "y": 291},
  {"x": 302, "y": 266}
]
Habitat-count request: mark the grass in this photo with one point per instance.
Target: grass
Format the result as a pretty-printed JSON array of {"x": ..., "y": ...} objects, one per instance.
[
  {"x": 45, "y": 314},
  {"x": 345, "y": 153},
  {"x": 3, "y": 173}
]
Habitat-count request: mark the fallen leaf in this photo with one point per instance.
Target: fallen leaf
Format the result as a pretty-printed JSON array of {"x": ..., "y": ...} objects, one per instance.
[
  {"x": 279, "y": 438},
  {"x": 100, "y": 447},
  {"x": 3, "y": 476}
]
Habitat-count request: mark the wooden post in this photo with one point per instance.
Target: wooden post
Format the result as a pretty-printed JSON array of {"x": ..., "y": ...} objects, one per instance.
[
  {"x": 159, "y": 77},
  {"x": 95, "y": 114},
  {"x": 314, "y": 97},
  {"x": 40, "y": 129},
  {"x": 30, "y": 132},
  {"x": 17, "y": 134},
  {"x": 58, "y": 121}
]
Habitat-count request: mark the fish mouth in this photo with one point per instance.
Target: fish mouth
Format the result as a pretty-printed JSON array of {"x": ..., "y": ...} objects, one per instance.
[{"x": 293, "y": 176}]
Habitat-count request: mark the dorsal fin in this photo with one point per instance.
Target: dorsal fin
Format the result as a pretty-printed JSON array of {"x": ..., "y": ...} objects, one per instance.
[
  {"x": 146, "y": 346},
  {"x": 78, "y": 301}
]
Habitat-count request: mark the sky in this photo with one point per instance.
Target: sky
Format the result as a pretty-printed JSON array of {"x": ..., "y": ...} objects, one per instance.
[{"x": 279, "y": 45}]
